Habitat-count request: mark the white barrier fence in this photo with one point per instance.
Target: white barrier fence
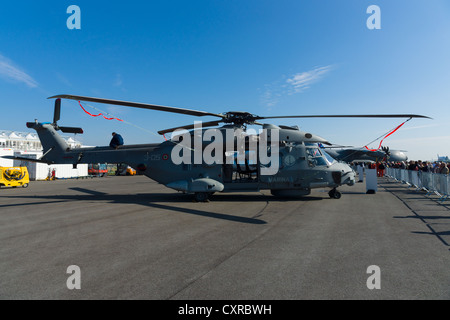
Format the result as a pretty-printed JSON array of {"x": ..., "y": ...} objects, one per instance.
[{"x": 430, "y": 182}]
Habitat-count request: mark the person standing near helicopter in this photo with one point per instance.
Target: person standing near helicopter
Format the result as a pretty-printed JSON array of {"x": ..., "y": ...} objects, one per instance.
[{"x": 380, "y": 169}]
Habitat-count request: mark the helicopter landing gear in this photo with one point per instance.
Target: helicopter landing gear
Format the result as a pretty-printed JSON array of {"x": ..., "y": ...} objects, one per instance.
[
  {"x": 201, "y": 196},
  {"x": 334, "y": 194}
]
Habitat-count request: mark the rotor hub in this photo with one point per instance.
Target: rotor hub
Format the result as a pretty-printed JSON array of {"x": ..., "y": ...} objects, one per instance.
[{"x": 239, "y": 117}]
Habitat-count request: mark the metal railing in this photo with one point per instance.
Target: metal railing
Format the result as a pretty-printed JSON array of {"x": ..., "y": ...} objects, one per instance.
[{"x": 432, "y": 183}]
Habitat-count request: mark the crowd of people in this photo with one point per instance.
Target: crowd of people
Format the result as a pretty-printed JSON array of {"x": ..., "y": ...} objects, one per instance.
[{"x": 424, "y": 166}]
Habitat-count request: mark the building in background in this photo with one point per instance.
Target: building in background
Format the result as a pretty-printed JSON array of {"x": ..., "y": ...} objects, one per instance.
[{"x": 28, "y": 145}]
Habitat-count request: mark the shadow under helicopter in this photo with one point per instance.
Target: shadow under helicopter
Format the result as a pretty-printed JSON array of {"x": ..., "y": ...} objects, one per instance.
[{"x": 161, "y": 200}]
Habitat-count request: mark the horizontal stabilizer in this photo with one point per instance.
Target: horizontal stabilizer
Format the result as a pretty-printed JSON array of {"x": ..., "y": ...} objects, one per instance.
[
  {"x": 26, "y": 159},
  {"x": 71, "y": 130}
]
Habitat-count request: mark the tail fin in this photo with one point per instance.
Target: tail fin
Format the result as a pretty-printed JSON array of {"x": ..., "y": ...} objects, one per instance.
[{"x": 53, "y": 144}]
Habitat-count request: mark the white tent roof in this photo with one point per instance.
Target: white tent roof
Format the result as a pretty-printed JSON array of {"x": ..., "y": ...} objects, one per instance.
[{"x": 31, "y": 136}]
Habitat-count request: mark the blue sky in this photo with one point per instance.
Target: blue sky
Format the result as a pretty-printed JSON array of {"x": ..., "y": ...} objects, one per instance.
[{"x": 265, "y": 57}]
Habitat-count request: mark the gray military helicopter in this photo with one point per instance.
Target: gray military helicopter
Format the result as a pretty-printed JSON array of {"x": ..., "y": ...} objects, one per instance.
[
  {"x": 300, "y": 165},
  {"x": 362, "y": 154}
]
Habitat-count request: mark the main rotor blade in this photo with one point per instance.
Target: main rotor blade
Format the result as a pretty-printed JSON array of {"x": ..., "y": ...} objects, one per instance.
[
  {"x": 192, "y": 126},
  {"x": 349, "y": 116},
  {"x": 138, "y": 105}
]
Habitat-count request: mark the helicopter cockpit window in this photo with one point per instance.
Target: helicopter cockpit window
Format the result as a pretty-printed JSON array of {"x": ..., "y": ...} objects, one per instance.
[
  {"x": 315, "y": 157},
  {"x": 329, "y": 158}
]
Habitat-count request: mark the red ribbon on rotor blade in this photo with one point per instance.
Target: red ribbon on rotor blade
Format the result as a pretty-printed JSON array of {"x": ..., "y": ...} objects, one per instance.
[
  {"x": 391, "y": 132},
  {"x": 97, "y": 115}
]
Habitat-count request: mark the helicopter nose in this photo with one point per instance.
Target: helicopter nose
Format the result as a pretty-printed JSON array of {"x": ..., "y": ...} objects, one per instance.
[
  {"x": 351, "y": 180},
  {"x": 348, "y": 176}
]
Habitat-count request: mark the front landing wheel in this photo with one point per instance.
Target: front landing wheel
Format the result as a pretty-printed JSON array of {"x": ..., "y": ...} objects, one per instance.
[{"x": 334, "y": 194}]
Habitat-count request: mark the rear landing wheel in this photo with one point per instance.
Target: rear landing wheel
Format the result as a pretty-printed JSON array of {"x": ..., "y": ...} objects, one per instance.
[
  {"x": 201, "y": 196},
  {"x": 334, "y": 194}
]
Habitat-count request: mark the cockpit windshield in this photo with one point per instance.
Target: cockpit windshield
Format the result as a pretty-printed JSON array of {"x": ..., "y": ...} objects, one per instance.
[
  {"x": 329, "y": 158},
  {"x": 317, "y": 156}
]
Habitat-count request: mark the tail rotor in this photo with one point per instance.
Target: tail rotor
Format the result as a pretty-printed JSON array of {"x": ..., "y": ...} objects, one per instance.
[
  {"x": 57, "y": 112},
  {"x": 57, "y": 117}
]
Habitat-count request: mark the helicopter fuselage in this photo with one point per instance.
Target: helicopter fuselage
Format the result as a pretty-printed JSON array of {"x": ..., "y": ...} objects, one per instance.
[{"x": 302, "y": 165}]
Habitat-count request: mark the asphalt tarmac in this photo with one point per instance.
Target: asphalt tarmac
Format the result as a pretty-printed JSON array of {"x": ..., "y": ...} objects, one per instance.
[{"x": 135, "y": 239}]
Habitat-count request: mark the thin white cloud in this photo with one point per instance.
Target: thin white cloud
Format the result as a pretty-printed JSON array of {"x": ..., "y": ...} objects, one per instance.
[
  {"x": 296, "y": 83},
  {"x": 406, "y": 128},
  {"x": 271, "y": 95},
  {"x": 63, "y": 79},
  {"x": 423, "y": 140},
  {"x": 301, "y": 81},
  {"x": 11, "y": 72},
  {"x": 422, "y": 127},
  {"x": 118, "y": 81}
]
